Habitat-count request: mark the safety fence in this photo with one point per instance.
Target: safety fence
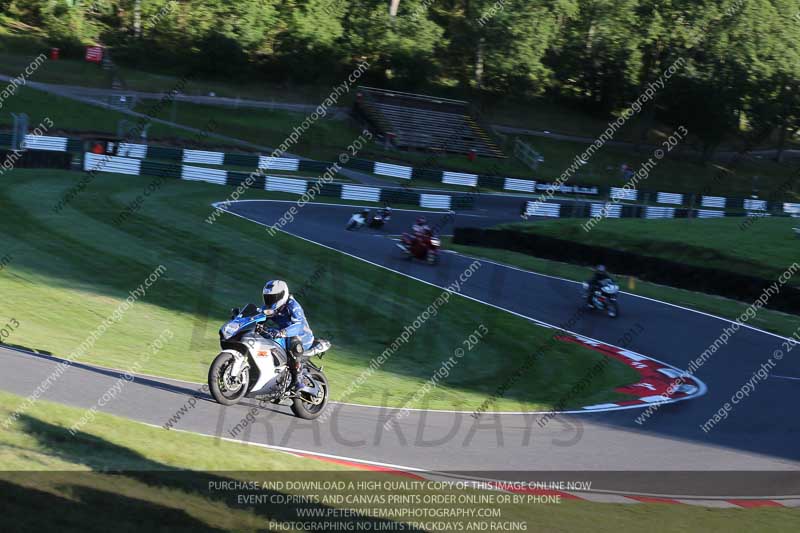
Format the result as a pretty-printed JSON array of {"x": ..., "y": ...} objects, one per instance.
[
  {"x": 512, "y": 185},
  {"x": 598, "y": 211},
  {"x": 138, "y": 167}
]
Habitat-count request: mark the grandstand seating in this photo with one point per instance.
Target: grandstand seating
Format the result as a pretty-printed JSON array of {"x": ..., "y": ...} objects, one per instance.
[{"x": 418, "y": 122}]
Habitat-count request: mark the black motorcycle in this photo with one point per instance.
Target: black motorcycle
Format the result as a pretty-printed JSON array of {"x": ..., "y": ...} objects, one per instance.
[{"x": 604, "y": 297}]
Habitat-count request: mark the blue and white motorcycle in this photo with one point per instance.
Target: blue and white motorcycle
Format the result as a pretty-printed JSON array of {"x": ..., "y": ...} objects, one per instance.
[{"x": 254, "y": 365}]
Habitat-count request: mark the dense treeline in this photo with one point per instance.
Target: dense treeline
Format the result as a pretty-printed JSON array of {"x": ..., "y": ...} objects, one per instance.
[{"x": 739, "y": 59}]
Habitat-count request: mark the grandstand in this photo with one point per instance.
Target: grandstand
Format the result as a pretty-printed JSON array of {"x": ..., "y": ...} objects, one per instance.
[{"x": 426, "y": 123}]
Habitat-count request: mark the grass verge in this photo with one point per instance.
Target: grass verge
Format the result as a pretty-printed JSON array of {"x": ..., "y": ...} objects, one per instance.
[
  {"x": 675, "y": 173},
  {"x": 763, "y": 247}
]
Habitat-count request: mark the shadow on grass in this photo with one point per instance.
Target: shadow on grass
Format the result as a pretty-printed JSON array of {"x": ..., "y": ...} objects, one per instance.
[
  {"x": 108, "y": 459},
  {"x": 87, "y": 510}
]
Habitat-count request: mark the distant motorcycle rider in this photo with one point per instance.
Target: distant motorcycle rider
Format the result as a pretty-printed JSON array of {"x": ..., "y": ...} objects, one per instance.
[
  {"x": 420, "y": 228},
  {"x": 600, "y": 275},
  {"x": 358, "y": 219},
  {"x": 288, "y": 316}
]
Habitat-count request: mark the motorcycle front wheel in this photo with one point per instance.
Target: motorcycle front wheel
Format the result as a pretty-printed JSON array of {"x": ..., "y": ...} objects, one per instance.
[
  {"x": 310, "y": 408},
  {"x": 226, "y": 389},
  {"x": 613, "y": 309}
]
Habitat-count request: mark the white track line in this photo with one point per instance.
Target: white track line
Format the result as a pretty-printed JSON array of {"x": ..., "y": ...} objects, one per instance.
[
  {"x": 784, "y": 377},
  {"x": 702, "y": 388}
]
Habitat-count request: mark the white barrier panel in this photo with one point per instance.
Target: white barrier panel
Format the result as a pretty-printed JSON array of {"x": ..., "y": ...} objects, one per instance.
[
  {"x": 358, "y": 192},
  {"x": 606, "y": 210},
  {"x": 513, "y": 184},
  {"x": 43, "y": 142},
  {"x": 755, "y": 205},
  {"x": 618, "y": 193},
  {"x": 139, "y": 151},
  {"x": 210, "y": 175},
  {"x": 278, "y": 163},
  {"x": 435, "y": 201},
  {"x": 714, "y": 201},
  {"x": 459, "y": 178},
  {"x": 669, "y": 198},
  {"x": 659, "y": 212},
  {"x": 274, "y": 183},
  {"x": 577, "y": 189},
  {"x": 542, "y": 209},
  {"x": 792, "y": 209},
  {"x": 710, "y": 213},
  {"x": 202, "y": 156},
  {"x": 396, "y": 171},
  {"x": 111, "y": 163}
]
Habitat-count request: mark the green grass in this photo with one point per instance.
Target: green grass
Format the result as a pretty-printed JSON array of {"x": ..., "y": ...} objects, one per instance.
[
  {"x": 70, "y": 271},
  {"x": 77, "y": 119},
  {"x": 767, "y": 319},
  {"x": 53, "y": 479},
  {"x": 671, "y": 174},
  {"x": 765, "y": 249},
  {"x": 324, "y": 139}
]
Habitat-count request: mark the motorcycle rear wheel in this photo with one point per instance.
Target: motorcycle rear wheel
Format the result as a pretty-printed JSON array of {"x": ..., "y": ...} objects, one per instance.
[
  {"x": 219, "y": 380},
  {"x": 302, "y": 408}
]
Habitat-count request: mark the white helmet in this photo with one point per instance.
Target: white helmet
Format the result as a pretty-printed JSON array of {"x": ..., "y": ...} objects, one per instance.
[{"x": 276, "y": 294}]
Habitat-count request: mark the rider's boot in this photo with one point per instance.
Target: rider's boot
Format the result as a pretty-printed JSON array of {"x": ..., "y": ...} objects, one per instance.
[{"x": 299, "y": 385}]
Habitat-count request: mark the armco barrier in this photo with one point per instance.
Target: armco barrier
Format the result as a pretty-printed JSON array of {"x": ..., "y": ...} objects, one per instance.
[
  {"x": 513, "y": 184},
  {"x": 209, "y": 175},
  {"x": 359, "y": 192},
  {"x": 606, "y": 210},
  {"x": 435, "y": 201},
  {"x": 395, "y": 171},
  {"x": 44, "y": 142},
  {"x": 669, "y": 198},
  {"x": 516, "y": 185},
  {"x": 126, "y": 165},
  {"x": 108, "y": 163},
  {"x": 541, "y": 209},
  {"x": 278, "y": 163},
  {"x": 202, "y": 156},
  {"x": 718, "y": 202},
  {"x": 715, "y": 281},
  {"x": 460, "y": 178}
]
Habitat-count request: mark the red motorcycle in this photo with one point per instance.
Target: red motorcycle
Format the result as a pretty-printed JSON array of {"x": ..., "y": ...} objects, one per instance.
[{"x": 424, "y": 247}]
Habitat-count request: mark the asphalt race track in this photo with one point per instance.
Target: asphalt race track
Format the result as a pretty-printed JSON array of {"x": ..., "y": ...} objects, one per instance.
[{"x": 761, "y": 434}]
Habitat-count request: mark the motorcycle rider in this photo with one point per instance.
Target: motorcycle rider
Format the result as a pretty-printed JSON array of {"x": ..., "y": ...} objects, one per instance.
[
  {"x": 600, "y": 275},
  {"x": 288, "y": 316},
  {"x": 359, "y": 219},
  {"x": 418, "y": 230},
  {"x": 420, "y": 227}
]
